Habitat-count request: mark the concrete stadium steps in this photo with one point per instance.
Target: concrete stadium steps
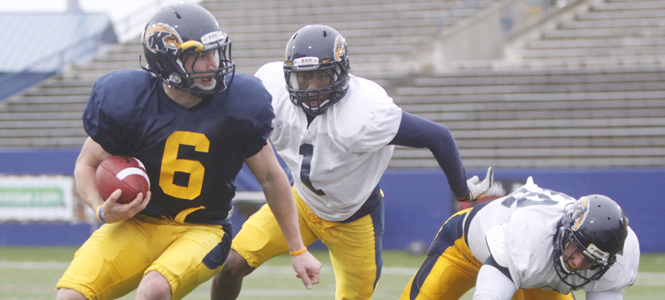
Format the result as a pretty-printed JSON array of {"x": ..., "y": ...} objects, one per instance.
[
  {"x": 573, "y": 118},
  {"x": 587, "y": 93},
  {"x": 588, "y": 62},
  {"x": 610, "y": 32},
  {"x": 613, "y": 44},
  {"x": 326, "y": 10},
  {"x": 628, "y": 5},
  {"x": 615, "y": 23},
  {"x": 48, "y": 115},
  {"x": 627, "y": 14},
  {"x": 41, "y": 133},
  {"x": 377, "y": 32},
  {"x": 555, "y": 158},
  {"x": 113, "y": 57}
]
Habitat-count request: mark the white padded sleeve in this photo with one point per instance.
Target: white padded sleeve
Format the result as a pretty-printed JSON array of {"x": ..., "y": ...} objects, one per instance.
[
  {"x": 493, "y": 285},
  {"x": 605, "y": 295}
]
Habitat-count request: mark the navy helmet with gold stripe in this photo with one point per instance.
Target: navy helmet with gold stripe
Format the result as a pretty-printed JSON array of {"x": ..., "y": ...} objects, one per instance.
[
  {"x": 316, "y": 53},
  {"x": 597, "y": 228},
  {"x": 181, "y": 30}
]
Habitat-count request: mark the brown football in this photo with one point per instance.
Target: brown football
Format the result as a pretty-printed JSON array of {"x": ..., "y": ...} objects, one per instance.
[{"x": 122, "y": 172}]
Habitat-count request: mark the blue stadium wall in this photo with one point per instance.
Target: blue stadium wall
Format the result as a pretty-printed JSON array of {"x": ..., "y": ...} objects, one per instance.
[{"x": 417, "y": 202}]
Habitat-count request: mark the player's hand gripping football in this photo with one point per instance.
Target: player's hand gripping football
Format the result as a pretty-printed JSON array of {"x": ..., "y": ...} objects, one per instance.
[
  {"x": 477, "y": 188},
  {"x": 112, "y": 211},
  {"x": 308, "y": 268}
]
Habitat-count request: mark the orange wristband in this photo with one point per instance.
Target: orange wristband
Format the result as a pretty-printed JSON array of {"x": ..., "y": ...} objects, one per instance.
[{"x": 301, "y": 251}]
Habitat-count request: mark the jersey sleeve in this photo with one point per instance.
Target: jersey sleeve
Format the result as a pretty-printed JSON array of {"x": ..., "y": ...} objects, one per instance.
[
  {"x": 100, "y": 124},
  {"x": 263, "y": 115},
  {"x": 367, "y": 119},
  {"x": 492, "y": 284},
  {"x": 262, "y": 130},
  {"x": 272, "y": 77}
]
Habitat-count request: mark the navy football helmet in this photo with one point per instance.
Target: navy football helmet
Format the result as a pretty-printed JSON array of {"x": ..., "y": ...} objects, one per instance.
[
  {"x": 316, "y": 51},
  {"x": 598, "y": 228},
  {"x": 179, "y": 31}
]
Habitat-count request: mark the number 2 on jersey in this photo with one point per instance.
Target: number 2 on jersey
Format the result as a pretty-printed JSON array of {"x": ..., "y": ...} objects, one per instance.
[
  {"x": 171, "y": 164},
  {"x": 307, "y": 151}
]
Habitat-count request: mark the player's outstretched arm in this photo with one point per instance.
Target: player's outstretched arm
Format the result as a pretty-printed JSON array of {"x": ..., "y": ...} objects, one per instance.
[
  {"x": 418, "y": 132},
  {"x": 92, "y": 154},
  {"x": 275, "y": 183}
]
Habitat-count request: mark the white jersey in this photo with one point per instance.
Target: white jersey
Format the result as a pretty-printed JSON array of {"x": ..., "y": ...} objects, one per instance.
[
  {"x": 518, "y": 230},
  {"x": 346, "y": 148}
]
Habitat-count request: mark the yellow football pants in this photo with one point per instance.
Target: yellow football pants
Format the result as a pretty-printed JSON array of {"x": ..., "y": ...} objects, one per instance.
[
  {"x": 355, "y": 247},
  {"x": 450, "y": 270},
  {"x": 112, "y": 262}
]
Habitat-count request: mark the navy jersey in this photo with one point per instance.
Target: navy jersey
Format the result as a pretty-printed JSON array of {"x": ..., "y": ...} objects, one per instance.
[{"x": 192, "y": 155}]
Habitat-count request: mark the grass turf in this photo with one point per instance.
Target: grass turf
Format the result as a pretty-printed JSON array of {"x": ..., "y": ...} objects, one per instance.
[{"x": 32, "y": 272}]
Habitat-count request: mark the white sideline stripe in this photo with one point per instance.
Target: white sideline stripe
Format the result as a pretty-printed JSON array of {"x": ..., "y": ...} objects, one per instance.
[
  {"x": 329, "y": 270},
  {"x": 643, "y": 278},
  {"x": 650, "y": 279},
  {"x": 256, "y": 292},
  {"x": 21, "y": 265},
  {"x": 132, "y": 171}
]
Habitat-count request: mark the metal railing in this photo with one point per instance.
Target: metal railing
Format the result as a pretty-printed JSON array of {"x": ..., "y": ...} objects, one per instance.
[
  {"x": 446, "y": 18},
  {"x": 75, "y": 52},
  {"x": 519, "y": 14},
  {"x": 525, "y": 13}
]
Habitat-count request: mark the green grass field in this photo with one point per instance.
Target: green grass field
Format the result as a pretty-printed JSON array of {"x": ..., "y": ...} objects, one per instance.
[{"x": 31, "y": 273}]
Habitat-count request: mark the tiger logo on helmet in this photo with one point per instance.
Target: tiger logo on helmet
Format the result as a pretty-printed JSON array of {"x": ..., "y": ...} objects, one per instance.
[
  {"x": 579, "y": 213},
  {"x": 161, "y": 37},
  {"x": 340, "y": 48}
]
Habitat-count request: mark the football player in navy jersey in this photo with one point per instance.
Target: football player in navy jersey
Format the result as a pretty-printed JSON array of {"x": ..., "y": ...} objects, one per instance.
[
  {"x": 192, "y": 122},
  {"x": 534, "y": 244},
  {"x": 336, "y": 132}
]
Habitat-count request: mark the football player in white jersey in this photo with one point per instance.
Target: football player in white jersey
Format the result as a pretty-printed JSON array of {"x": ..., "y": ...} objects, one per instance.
[
  {"x": 336, "y": 132},
  {"x": 532, "y": 244}
]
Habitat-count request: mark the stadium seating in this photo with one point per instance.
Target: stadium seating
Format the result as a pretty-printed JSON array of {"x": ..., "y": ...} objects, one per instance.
[
  {"x": 543, "y": 118},
  {"x": 599, "y": 34},
  {"x": 582, "y": 89},
  {"x": 50, "y": 111}
]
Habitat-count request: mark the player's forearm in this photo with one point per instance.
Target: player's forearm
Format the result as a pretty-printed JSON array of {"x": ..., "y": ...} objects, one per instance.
[
  {"x": 491, "y": 284},
  {"x": 85, "y": 183},
  {"x": 84, "y": 172},
  {"x": 280, "y": 199},
  {"x": 418, "y": 132},
  {"x": 278, "y": 193}
]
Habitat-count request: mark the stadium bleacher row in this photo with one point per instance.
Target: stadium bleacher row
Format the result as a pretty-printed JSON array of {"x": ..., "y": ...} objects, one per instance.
[{"x": 582, "y": 88}]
